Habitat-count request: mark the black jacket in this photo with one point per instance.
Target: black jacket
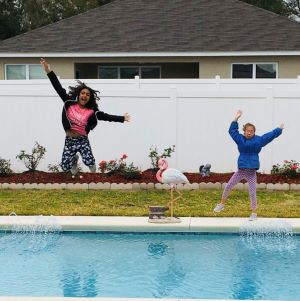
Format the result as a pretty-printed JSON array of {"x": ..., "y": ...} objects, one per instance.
[{"x": 68, "y": 101}]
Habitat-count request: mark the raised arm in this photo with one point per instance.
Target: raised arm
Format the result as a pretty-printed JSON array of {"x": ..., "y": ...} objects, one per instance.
[
  {"x": 54, "y": 81},
  {"x": 45, "y": 65},
  {"x": 238, "y": 114},
  {"x": 234, "y": 127}
]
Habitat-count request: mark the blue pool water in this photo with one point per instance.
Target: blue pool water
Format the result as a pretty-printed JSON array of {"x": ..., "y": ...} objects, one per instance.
[{"x": 240, "y": 266}]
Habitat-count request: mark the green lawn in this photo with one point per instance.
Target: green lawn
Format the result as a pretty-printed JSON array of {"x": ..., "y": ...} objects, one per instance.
[{"x": 136, "y": 203}]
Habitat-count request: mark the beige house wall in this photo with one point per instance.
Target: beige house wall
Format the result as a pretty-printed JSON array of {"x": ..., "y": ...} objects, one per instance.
[
  {"x": 288, "y": 67},
  {"x": 63, "y": 66},
  {"x": 209, "y": 67}
]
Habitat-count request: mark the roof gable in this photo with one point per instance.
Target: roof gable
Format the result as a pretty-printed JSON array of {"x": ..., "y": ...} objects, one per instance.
[{"x": 163, "y": 26}]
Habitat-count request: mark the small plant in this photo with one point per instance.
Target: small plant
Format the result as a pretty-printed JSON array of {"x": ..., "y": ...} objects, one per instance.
[
  {"x": 102, "y": 166},
  {"x": 131, "y": 172},
  {"x": 54, "y": 168},
  {"x": 290, "y": 168},
  {"x": 5, "y": 167},
  {"x": 112, "y": 166},
  {"x": 120, "y": 166},
  {"x": 32, "y": 160},
  {"x": 154, "y": 156}
]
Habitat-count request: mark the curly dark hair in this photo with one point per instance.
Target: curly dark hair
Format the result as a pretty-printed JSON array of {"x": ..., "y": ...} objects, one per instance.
[{"x": 75, "y": 91}]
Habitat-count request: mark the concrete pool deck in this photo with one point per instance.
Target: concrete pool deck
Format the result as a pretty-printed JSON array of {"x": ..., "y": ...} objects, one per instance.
[{"x": 141, "y": 224}]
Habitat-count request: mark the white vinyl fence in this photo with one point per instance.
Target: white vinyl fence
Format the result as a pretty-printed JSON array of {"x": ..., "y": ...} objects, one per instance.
[{"x": 192, "y": 114}]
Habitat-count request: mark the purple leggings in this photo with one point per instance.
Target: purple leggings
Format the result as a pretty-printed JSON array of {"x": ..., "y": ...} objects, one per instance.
[{"x": 243, "y": 174}]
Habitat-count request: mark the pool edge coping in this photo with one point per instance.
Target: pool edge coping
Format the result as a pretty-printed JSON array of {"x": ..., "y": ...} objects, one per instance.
[
  {"x": 141, "y": 224},
  {"x": 3, "y": 298}
]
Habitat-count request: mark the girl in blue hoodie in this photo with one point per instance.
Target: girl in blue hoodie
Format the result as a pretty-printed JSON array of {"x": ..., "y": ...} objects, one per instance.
[{"x": 249, "y": 146}]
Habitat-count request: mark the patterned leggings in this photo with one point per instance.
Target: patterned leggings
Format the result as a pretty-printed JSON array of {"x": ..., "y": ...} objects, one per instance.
[
  {"x": 243, "y": 174},
  {"x": 77, "y": 145}
]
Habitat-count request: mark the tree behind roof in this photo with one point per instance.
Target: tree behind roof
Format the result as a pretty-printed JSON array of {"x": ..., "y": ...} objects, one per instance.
[{"x": 19, "y": 16}]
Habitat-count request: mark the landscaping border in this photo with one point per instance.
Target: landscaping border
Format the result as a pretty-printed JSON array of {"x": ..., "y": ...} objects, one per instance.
[{"x": 145, "y": 186}]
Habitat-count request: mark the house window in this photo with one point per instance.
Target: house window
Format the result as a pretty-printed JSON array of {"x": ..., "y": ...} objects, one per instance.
[
  {"x": 110, "y": 72},
  {"x": 129, "y": 72},
  {"x": 150, "y": 72},
  {"x": 24, "y": 71},
  {"x": 254, "y": 70},
  {"x": 242, "y": 70},
  {"x": 266, "y": 71}
]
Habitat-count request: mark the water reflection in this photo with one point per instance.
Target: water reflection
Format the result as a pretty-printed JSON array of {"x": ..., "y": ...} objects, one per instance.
[
  {"x": 245, "y": 275},
  {"x": 79, "y": 285},
  {"x": 157, "y": 250},
  {"x": 170, "y": 272}
]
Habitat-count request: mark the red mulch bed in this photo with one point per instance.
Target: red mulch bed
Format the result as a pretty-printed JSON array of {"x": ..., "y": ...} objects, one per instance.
[{"x": 147, "y": 176}]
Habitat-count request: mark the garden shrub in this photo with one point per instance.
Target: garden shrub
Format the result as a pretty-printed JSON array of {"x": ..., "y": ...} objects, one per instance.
[
  {"x": 31, "y": 161},
  {"x": 120, "y": 166},
  {"x": 54, "y": 168},
  {"x": 5, "y": 167},
  {"x": 154, "y": 155},
  {"x": 289, "y": 168}
]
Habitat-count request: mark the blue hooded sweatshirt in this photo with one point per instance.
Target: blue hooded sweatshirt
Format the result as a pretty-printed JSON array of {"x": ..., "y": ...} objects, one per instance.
[{"x": 250, "y": 148}]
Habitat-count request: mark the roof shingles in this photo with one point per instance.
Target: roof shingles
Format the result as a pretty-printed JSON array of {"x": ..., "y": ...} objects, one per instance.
[{"x": 163, "y": 26}]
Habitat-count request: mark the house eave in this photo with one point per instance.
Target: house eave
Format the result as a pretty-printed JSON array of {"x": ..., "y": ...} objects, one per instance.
[{"x": 148, "y": 54}]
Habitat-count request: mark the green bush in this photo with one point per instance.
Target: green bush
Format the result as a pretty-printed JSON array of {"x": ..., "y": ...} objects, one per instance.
[
  {"x": 120, "y": 166},
  {"x": 154, "y": 155},
  {"x": 32, "y": 160},
  {"x": 131, "y": 172},
  {"x": 289, "y": 168},
  {"x": 54, "y": 168},
  {"x": 5, "y": 167}
]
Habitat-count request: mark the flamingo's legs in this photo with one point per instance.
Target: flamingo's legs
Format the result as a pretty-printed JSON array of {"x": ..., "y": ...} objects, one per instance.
[{"x": 170, "y": 205}]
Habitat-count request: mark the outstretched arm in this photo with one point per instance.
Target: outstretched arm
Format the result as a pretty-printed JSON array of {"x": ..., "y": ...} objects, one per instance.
[
  {"x": 107, "y": 117},
  {"x": 54, "y": 81},
  {"x": 127, "y": 117},
  {"x": 268, "y": 137}
]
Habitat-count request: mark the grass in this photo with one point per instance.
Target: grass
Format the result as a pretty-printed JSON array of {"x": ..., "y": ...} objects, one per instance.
[{"x": 196, "y": 203}]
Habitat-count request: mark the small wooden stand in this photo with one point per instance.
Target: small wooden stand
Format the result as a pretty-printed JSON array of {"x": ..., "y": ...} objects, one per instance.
[
  {"x": 156, "y": 212},
  {"x": 157, "y": 215}
]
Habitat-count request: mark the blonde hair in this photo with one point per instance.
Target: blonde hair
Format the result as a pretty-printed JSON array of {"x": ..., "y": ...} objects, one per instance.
[{"x": 245, "y": 126}]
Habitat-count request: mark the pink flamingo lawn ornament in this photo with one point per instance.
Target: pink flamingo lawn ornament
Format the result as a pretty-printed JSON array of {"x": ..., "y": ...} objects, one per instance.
[{"x": 172, "y": 177}]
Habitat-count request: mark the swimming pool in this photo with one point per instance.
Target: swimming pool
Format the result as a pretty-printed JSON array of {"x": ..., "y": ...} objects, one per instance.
[{"x": 147, "y": 265}]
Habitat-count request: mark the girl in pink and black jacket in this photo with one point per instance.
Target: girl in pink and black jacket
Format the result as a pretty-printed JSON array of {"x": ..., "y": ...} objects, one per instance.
[{"x": 79, "y": 116}]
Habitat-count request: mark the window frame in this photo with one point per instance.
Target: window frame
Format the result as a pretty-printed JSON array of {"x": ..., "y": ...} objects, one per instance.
[
  {"x": 128, "y": 66},
  {"x": 26, "y": 71},
  {"x": 254, "y": 69}
]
